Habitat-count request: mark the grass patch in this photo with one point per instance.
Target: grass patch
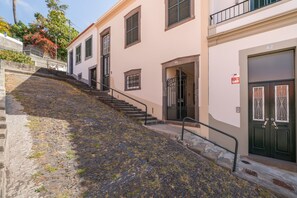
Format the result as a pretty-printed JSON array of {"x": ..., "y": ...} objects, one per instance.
[
  {"x": 50, "y": 168},
  {"x": 34, "y": 124},
  {"x": 36, "y": 155},
  {"x": 97, "y": 145},
  {"x": 36, "y": 175},
  {"x": 81, "y": 171},
  {"x": 40, "y": 189},
  {"x": 63, "y": 195},
  {"x": 116, "y": 176},
  {"x": 70, "y": 154}
]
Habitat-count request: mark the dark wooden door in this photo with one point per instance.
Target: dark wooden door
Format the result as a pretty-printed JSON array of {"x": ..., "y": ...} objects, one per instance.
[
  {"x": 71, "y": 62},
  {"x": 106, "y": 72},
  {"x": 93, "y": 74},
  {"x": 181, "y": 95},
  {"x": 272, "y": 119},
  {"x": 105, "y": 65}
]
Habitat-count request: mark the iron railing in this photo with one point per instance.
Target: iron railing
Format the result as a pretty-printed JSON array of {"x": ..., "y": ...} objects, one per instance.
[
  {"x": 116, "y": 91},
  {"x": 214, "y": 129},
  {"x": 33, "y": 51},
  {"x": 238, "y": 10}
]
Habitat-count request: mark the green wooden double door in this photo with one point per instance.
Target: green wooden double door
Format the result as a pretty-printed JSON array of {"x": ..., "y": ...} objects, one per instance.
[{"x": 272, "y": 119}]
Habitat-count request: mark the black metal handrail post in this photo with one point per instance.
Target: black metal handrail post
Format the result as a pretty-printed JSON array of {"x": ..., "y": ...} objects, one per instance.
[
  {"x": 112, "y": 93},
  {"x": 217, "y": 130}
]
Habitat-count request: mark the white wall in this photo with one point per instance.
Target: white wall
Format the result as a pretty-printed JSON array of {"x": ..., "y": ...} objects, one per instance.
[
  {"x": 10, "y": 43},
  {"x": 224, "y": 62},
  {"x": 85, "y": 64},
  {"x": 156, "y": 47}
]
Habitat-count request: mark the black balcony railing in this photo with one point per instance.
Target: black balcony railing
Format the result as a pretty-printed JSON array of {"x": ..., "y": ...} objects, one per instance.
[{"x": 238, "y": 10}]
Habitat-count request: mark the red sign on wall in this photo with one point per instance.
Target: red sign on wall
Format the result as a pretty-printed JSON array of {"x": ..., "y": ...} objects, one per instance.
[{"x": 235, "y": 79}]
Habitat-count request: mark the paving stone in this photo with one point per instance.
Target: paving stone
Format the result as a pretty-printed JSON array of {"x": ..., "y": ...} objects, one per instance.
[
  {"x": 211, "y": 155},
  {"x": 2, "y": 160},
  {"x": 2, "y": 145},
  {"x": 3, "y": 126},
  {"x": 3, "y": 133},
  {"x": 198, "y": 148},
  {"x": 283, "y": 184}
]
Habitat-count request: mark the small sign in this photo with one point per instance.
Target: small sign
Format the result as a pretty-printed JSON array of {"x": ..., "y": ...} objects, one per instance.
[{"x": 235, "y": 79}]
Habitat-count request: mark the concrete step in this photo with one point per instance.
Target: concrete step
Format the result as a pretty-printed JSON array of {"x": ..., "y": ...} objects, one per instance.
[
  {"x": 128, "y": 108},
  {"x": 138, "y": 114},
  {"x": 122, "y": 105},
  {"x": 143, "y": 118},
  {"x": 153, "y": 122}
]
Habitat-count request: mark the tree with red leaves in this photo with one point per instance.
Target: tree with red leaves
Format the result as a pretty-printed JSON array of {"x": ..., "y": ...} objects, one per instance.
[{"x": 38, "y": 39}]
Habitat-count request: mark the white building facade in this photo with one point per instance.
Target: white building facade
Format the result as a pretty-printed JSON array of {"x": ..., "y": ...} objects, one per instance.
[
  {"x": 252, "y": 69},
  {"x": 151, "y": 51},
  {"x": 82, "y": 56}
]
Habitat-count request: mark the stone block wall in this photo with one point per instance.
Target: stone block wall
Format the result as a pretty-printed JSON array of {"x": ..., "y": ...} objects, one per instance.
[{"x": 9, "y": 43}]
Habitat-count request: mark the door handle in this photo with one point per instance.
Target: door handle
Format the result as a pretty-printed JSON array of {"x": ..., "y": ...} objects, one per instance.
[
  {"x": 265, "y": 123},
  {"x": 275, "y": 125}
]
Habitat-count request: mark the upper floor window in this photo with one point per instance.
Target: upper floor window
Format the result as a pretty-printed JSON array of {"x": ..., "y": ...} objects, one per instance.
[
  {"x": 132, "y": 27},
  {"x": 106, "y": 44},
  {"x": 89, "y": 46},
  {"x": 178, "y": 11},
  {"x": 78, "y": 54}
]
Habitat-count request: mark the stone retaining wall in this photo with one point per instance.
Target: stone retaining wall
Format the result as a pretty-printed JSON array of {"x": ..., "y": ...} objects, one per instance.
[
  {"x": 19, "y": 66},
  {"x": 2, "y": 132},
  {"x": 9, "y": 43}
]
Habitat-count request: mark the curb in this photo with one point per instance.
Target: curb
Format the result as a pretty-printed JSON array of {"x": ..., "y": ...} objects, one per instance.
[{"x": 3, "y": 133}]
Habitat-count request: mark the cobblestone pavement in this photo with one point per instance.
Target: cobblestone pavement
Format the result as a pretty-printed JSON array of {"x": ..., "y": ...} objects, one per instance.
[{"x": 83, "y": 148}]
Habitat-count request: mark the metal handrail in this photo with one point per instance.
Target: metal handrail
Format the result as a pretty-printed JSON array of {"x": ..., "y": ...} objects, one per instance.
[
  {"x": 113, "y": 90},
  {"x": 235, "y": 11},
  {"x": 217, "y": 130}
]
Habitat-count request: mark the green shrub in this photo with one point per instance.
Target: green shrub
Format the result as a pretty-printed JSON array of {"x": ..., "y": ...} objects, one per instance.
[{"x": 15, "y": 57}]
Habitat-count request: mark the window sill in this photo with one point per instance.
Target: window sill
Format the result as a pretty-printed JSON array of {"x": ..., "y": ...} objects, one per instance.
[
  {"x": 87, "y": 58},
  {"x": 179, "y": 23},
  {"x": 135, "y": 89},
  {"x": 131, "y": 44}
]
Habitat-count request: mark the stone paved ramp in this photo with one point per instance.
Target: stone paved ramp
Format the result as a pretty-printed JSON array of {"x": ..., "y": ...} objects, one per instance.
[
  {"x": 278, "y": 180},
  {"x": 83, "y": 148}
]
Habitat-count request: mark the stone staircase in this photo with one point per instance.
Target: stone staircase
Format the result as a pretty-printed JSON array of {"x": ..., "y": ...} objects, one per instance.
[{"x": 126, "y": 108}]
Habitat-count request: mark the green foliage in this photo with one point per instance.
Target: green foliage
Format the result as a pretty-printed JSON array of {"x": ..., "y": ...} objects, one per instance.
[
  {"x": 4, "y": 27},
  {"x": 55, "y": 26},
  {"x": 19, "y": 30},
  {"x": 15, "y": 57},
  {"x": 47, "y": 31}
]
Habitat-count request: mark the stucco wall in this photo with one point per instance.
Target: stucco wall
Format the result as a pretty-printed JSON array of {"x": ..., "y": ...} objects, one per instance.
[
  {"x": 9, "y": 43},
  {"x": 225, "y": 61},
  {"x": 85, "y": 64},
  {"x": 156, "y": 47}
]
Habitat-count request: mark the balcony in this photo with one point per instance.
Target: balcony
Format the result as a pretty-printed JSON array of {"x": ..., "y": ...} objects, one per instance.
[{"x": 238, "y": 10}]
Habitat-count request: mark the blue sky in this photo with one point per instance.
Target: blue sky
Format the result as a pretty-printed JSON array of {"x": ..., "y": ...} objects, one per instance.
[{"x": 81, "y": 12}]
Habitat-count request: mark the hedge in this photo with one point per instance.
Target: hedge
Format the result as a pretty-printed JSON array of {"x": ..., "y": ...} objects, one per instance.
[{"x": 15, "y": 57}]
